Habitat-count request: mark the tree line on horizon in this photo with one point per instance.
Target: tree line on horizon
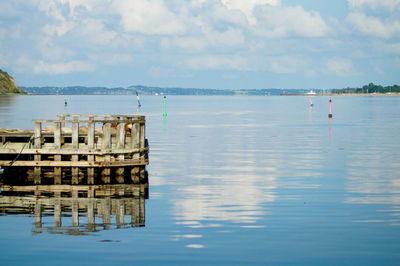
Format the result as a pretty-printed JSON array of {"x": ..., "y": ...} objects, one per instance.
[{"x": 370, "y": 88}]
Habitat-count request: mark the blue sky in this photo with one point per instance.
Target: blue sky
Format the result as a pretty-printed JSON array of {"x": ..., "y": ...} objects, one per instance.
[{"x": 221, "y": 44}]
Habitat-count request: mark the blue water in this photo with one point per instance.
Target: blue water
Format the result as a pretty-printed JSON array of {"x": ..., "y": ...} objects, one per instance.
[{"x": 238, "y": 181}]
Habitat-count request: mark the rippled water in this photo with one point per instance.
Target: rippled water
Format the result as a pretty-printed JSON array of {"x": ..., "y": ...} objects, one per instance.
[{"x": 238, "y": 180}]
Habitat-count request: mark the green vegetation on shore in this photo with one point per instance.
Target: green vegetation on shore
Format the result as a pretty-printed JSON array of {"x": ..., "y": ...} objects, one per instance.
[
  {"x": 370, "y": 88},
  {"x": 7, "y": 84},
  {"x": 147, "y": 90}
]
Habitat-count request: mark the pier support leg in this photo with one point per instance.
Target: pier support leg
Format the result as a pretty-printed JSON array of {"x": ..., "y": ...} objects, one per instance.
[
  {"x": 135, "y": 215},
  {"x": 75, "y": 209},
  {"x": 38, "y": 213},
  {"x": 107, "y": 213},
  {"x": 57, "y": 210},
  {"x": 120, "y": 213},
  {"x": 90, "y": 215}
]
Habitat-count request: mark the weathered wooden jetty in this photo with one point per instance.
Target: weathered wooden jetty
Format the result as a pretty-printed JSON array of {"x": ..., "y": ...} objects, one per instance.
[
  {"x": 77, "y": 209},
  {"x": 77, "y": 149}
]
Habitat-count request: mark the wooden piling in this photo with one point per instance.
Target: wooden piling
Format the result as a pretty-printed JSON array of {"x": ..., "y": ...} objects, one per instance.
[
  {"x": 37, "y": 171},
  {"x": 91, "y": 133},
  {"x": 75, "y": 208},
  {"x": 57, "y": 209}
]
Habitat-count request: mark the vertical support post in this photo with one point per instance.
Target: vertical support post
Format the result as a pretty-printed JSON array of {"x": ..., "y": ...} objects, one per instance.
[
  {"x": 106, "y": 213},
  {"x": 142, "y": 133},
  {"x": 38, "y": 213},
  {"x": 57, "y": 157},
  {"x": 135, "y": 212},
  {"x": 142, "y": 210},
  {"x": 75, "y": 208},
  {"x": 62, "y": 119},
  {"x": 107, "y": 135},
  {"x": 120, "y": 213},
  {"x": 37, "y": 134},
  {"x": 90, "y": 215},
  {"x": 136, "y": 138},
  {"x": 119, "y": 173},
  {"x": 57, "y": 209},
  {"x": 75, "y": 147},
  {"x": 106, "y": 146},
  {"x": 90, "y": 210},
  {"x": 91, "y": 131},
  {"x": 121, "y": 135}
]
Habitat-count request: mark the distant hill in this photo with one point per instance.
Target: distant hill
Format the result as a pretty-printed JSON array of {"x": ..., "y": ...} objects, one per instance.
[
  {"x": 147, "y": 90},
  {"x": 76, "y": 90},
  {"x": 7, "y": 84}
]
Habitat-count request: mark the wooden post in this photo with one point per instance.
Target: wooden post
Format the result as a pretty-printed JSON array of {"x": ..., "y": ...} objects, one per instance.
[
  {"x": 142, "y": 210},
  {"x": 75, "y": 208},
  {"x": 62, "y": 118},
  {"x": 135, "y": 219},
  {"x": 106, "y": 146},
  {"x": 57, "y": 209},
  {"x": 37, "y": 145},
  {"x": 120, "y": 213},
  {"x": 107, "y": 135},
  {"x": 106, "y": 213},
  {"x": 119, "y": 172},
  {"x": 91, "y": 131},
  {"x": 136, "y": 138},
  {"x": 142, "y": 136},
  {"x": 38, "y": 213},
  {"x": 57, "y": 157},
  {"x": 90, "y": 215},
  {"x": 75, "y": 146}
]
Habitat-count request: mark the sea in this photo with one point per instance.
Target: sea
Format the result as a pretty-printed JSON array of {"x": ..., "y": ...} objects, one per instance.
[{"x": 234, "y": 180}]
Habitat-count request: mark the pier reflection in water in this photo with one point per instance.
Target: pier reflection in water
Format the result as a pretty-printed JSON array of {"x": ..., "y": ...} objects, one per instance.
[{"x": 77, "y": 210}]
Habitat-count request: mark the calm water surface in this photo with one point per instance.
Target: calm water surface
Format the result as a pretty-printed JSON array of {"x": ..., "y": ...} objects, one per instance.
[{"x": 238, "y": 181}]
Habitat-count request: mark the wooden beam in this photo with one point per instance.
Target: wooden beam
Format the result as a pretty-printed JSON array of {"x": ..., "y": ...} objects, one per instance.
[{"x": 135, "y": 162}]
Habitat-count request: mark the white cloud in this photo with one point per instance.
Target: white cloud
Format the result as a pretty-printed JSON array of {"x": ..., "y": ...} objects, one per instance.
[
  {"x": 392, "y": 48},
  {"x": 373, "y": 26},
  {"x": 389, "y": 4},
  {"x": 94, "y": 31},
  {"x": 341, "y": 66},
  {"x": 3, "y": 32},
  {"x": 286, "y": 64},
  {"x": 149, "y": 17},
  {"x": 62, "y": 68},
  {"x": 111, "y": 58},
  {"x": 218, "y": 62},
  {"x": 209, "y": 38},
  {"x": 289, "y": 22},
  {"x": 248, "y": 6}
]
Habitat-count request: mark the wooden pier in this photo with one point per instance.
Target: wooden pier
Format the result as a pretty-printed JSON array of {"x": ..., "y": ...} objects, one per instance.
[{"x": 77, "y": 149}]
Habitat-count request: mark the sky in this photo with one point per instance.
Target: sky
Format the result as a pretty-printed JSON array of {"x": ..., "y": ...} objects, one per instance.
[{"x": 218, "y": 44}]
